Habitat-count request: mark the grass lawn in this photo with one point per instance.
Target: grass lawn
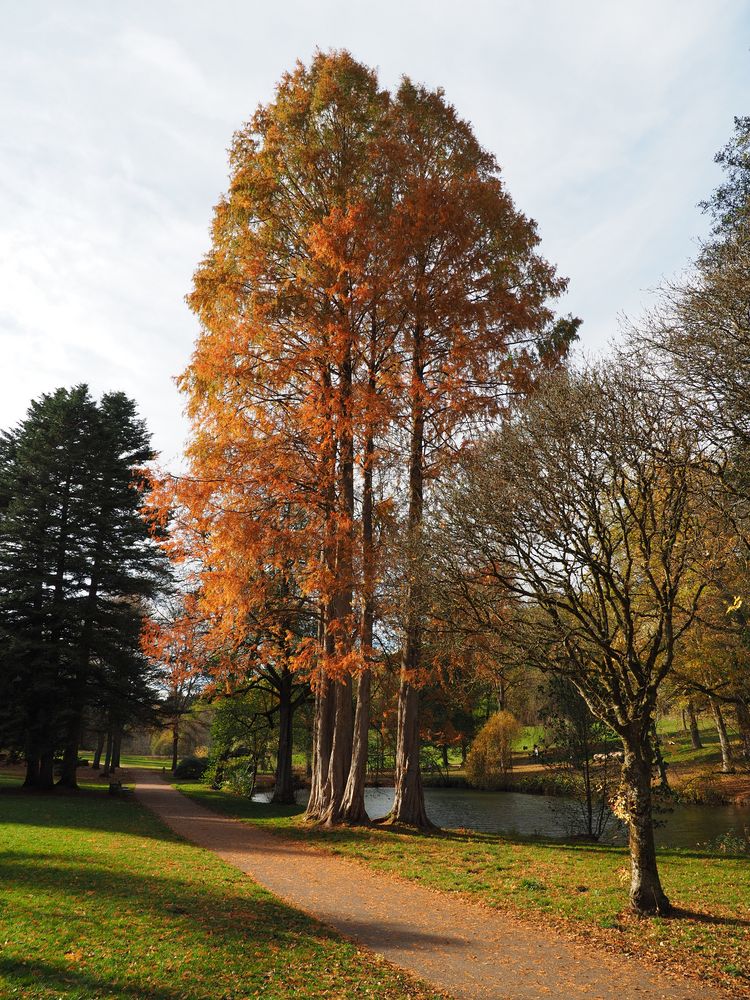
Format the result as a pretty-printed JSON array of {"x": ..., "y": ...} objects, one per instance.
[
  {"x": 581, "y": 889},
  {"x": 696, "y": 774},
  {"x": 134, "y": 760},
  {"x": 99, "y": 900}
]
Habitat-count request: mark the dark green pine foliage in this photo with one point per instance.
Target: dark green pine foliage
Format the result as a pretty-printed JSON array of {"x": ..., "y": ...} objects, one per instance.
[{"x": 76, "y": 568}]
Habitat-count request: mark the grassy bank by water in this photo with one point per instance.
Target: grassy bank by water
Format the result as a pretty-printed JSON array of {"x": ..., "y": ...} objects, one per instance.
[
  {"x": 99, "y": 900},
  {"x": 581, "y": 888}
]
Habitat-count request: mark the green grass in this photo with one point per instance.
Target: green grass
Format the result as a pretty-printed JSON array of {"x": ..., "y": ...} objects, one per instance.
[
  {"x": 98, "y": 900},
  {"x": 677, "y": 748},
  {"x": 135, "y": 760},
  {"x": 582, "y": 888},
  {"x": 529, "y": 736}
]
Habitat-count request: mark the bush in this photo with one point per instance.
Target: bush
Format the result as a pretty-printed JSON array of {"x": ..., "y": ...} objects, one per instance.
[
  {"x": 490, "y": 758},
  {"x": 191, "y": 767},
  {"x": 730, "y": 842},
  {"x": 240, "y": 776}
]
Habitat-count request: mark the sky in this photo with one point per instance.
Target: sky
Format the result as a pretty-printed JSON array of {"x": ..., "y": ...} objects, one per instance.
[{"x": 115, "y": 119}]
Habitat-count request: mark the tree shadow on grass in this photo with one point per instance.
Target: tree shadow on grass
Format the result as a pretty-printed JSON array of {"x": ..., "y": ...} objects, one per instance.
[
  {"x": 135, "y": 922},
  {"x": 255, "y": 914},
  {"x": 680, "y": 913},
  {"x": 176, "y": 915},
  {"x": 29, "y": 973},
  {"x": 85, "y": 810}
]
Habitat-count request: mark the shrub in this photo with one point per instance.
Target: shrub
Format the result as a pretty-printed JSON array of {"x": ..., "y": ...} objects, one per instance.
[
  {"x": 490, "y": 758},
  {"x": 240, "y": 776},
  {"x": 191, "y": 767},
  {"x": 731, "y": 842}
]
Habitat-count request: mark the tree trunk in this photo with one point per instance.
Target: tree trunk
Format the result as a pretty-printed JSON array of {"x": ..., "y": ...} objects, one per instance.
[
  {"x": 322, "y": 741},
  {"x": 661, "y": 764},
  {"x": 325, "y": 695},
  {"x": 116, "y": 742},
  {"x": 32, "y": 769},
  {"x": 283, "y": 791},
  {"x": 353, "y": 806},
  {"x": 69, "y": 769},
  {"x": 502, "y": 698},
  {"x": 46, "y": 770},
  {"x": 341, "y": 746},
  {"x": 341, "y": 753},
  {"x": 588, "y": 792},
  {"x": 108, "y": 754},
  {"x": 408, "y": 803},
  {"x": 727, "y": 761},
  {"x": 695, "y": 736},
  {"x": 743, "y": 724},
  {"x": 96, "y": 763},
  {"x": 175, "y": 742},
  {"x": 646, "y": 893}
]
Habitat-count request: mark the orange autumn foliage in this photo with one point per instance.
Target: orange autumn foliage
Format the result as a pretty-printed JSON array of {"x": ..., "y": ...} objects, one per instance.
[{"x": 370, "y": 298}]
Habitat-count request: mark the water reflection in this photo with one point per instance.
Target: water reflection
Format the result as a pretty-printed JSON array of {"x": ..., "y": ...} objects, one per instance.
[{"x": 517, "y": 813}]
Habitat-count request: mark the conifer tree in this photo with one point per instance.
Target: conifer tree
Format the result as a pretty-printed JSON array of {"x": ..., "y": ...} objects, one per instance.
[{"x": 76, "y": 562}]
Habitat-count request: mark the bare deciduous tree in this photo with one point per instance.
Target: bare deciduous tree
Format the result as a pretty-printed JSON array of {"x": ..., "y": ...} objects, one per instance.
[{"x": 585, "y": 508}]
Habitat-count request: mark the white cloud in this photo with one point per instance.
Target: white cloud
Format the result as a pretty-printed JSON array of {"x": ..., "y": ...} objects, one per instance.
[{"x": 116, "y": 118}]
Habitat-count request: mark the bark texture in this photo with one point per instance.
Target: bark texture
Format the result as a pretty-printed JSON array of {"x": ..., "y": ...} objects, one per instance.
[
  {"x": 283, "y": 791},
  {"x": 96, "y": 762},
  {"x": 695, "y": 736},
  {"x": 353, "y": 806},
  {"x": 646, "y": 893},
  {"x": 743, "y": 724},
  {"x": 408, "y": 802},
  {"x": 322, "y": 742},
  {"x": 341, "y": 753},
  {"x": 727, "y": 758}
]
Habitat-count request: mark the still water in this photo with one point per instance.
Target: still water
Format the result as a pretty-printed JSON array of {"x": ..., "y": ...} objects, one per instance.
[{"x": 548, "y": 816}]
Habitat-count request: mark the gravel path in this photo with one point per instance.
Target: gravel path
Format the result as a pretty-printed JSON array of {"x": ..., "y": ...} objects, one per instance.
[{"x": 465, "y": 949}]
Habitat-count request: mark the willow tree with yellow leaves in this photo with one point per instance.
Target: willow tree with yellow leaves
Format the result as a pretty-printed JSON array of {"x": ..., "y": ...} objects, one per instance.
[{"x": 370, "y": 298}]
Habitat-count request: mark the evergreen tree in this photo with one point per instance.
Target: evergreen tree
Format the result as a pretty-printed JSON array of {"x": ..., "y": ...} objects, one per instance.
[{"x": 76, "y": 564}]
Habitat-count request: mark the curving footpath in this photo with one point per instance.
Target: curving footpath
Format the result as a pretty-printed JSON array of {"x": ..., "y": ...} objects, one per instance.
[{"x": 462, "y": 948}]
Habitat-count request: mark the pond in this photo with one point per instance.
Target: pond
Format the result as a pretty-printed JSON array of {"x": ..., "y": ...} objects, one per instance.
[{"x": 518, "y": 813}]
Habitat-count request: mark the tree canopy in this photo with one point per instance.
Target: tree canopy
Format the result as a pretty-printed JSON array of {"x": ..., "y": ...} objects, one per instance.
[{"x": 77, "y": 564}]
